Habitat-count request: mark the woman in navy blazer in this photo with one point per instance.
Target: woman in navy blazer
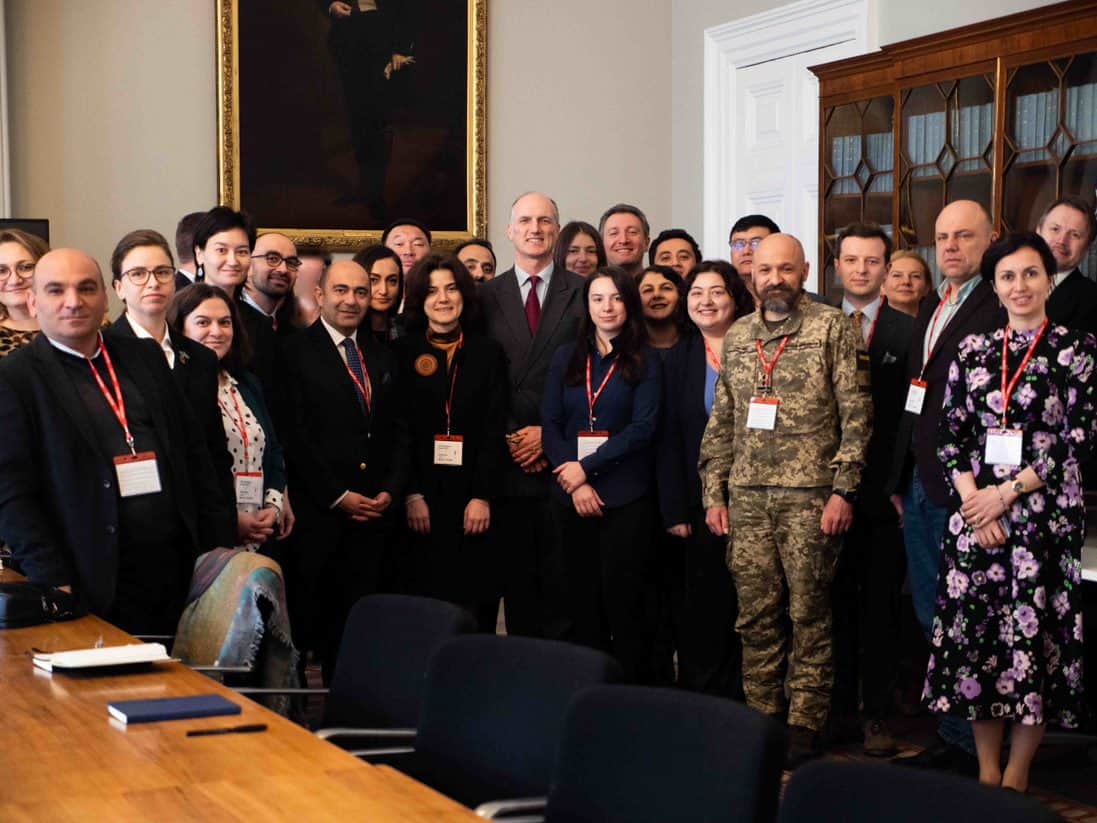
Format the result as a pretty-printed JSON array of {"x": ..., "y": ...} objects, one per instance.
[
  {"x": 709, "y": 652},
  {"x": 603, "y": 396}
]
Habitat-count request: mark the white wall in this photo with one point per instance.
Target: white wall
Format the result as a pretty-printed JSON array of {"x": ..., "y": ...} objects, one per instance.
[
  {"x": 896, "y": 20},
  {"x": 113, "y": 111}
]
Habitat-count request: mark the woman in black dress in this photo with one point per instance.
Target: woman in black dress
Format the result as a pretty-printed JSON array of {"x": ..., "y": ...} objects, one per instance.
[
  {"x": 1019, "y": 418},
  {"x": 454, "y": 384}
]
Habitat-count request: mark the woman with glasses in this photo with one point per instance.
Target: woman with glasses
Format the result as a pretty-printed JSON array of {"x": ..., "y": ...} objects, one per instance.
[
  {"x": 19, "y": 252},
  {"x": 208, "y": 316}
]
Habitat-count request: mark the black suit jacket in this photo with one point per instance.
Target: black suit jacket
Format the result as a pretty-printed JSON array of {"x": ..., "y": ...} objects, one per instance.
[
  {"x": 684, "y": 420},
  {"x": 267, "y": 362},
  {"x": 58, "y": 495},
  {"x": 528, "y": 356},
  {"x": 889, "y": 354},
  {"x": 916, "y": 441},
  {"x": 182, "y": 281},
  {"x": 196, "y": 373},
  {"x": 1073, "y": 303},
  {"x": 331, "y": 445}
]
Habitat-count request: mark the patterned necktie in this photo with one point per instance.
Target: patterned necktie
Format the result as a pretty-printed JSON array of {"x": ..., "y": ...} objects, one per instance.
[
  {"x": 354, "y": 363},
  {"x": 858, "y": 322},
  {"x": 533, "y": 305}
]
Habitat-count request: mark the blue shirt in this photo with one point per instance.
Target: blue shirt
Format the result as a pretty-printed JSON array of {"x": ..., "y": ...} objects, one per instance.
[{"x": 621, "y": 470}]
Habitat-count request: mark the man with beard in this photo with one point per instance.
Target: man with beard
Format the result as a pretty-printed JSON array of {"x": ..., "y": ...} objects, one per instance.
[
  {"x": 274, "y": 265},
  {"x": 780, "y": 465}
]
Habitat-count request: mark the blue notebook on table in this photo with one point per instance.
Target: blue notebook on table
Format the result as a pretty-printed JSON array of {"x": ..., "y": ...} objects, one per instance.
[{"x": 171, "y": 708}]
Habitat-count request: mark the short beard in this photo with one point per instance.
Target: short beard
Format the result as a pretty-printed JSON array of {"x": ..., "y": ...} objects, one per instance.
[{"x": 774, "y": 300}]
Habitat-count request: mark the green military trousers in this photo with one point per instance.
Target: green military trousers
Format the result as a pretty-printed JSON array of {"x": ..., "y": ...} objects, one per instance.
[{"x": 783, "y": 564}]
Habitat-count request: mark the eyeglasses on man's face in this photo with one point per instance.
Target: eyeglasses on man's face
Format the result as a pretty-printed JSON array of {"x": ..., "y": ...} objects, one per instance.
[
  {"x": 274, "y": 260},
  {"x": 140, "y": 276},
  {"x": 741, "y": 244},
  {"x": 21, "y": 271}
]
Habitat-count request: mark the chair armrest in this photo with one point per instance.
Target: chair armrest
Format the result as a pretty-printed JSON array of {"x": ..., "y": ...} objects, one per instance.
[
  {"x": 334, "y": 732},
  {"x": 497, "y": 809},
  {"x": 250, "y": 690}
]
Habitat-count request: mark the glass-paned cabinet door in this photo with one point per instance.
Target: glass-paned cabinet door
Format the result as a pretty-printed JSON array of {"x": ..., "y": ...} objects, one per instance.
[
  {"x": 1050, "y": 140},
  {"x": 946, "y": 153},
  {"x": 858, "y": 171}
]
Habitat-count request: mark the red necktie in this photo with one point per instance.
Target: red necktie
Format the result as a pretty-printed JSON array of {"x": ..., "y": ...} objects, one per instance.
[{"x": 533, "y": 305}]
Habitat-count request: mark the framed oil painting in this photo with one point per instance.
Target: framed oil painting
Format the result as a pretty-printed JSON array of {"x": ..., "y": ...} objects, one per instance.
[{"x": 336, "y": 118}]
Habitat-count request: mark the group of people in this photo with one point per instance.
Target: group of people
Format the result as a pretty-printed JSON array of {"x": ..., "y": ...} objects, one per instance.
[{"x": 694, "y": 464}]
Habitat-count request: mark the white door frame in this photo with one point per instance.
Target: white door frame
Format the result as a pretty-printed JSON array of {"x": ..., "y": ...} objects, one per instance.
[{"x": 793, "y": 29}]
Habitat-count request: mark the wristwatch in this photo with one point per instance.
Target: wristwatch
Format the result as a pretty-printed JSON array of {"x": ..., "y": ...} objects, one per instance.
[
  {"x": 1018, "y": 487},
  {"x": 849, "y": 496}
]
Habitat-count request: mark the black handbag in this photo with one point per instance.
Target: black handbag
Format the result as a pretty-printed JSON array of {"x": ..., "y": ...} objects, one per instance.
[{"x": 28, "y": 604}]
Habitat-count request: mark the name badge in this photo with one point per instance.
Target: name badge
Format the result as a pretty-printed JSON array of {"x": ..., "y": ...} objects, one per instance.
[
  {"x": 589, "y": 443},
  {"x": 1004, "y": 447},
  {"x": 916, "y": 396},
  {"x": 249, "y": 488},
  {"x": 137, "y": 474},
  {"x": 449, "y": 449},
  {"x": 762, "y": 413}
]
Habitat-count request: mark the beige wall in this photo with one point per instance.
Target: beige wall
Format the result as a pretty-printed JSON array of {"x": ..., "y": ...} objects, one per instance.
[
  {"x": 113, "y": 111},
  {"x": 896, "y": 20}
]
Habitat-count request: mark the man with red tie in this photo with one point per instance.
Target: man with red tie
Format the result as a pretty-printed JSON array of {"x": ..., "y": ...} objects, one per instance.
[{"x": 530, "y": 309}]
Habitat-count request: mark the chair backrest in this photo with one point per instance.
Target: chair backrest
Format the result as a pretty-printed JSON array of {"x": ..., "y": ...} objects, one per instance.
[
  {"x": 494, "y": 711},
  {"x": 829, "y": 791},
  {"x": 639, "y": 754},
  {"x": 380, "y": 675}
]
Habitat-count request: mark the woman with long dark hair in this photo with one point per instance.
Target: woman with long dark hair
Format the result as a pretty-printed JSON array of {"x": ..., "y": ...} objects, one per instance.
[
  {"x": 386, "y": 291},
  {"x": 599, "y": 416},
  {"x": 662, "y": 294},
  {"x": 453, "y": 381},
  {"x": 579, "y": 249}
]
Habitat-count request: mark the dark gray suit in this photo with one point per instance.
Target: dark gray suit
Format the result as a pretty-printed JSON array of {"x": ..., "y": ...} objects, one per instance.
[{"x": 533, "y": 578}]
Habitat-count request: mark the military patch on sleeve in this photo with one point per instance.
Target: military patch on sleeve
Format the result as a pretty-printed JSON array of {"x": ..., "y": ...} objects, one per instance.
[{"x": 864, "y": 371}]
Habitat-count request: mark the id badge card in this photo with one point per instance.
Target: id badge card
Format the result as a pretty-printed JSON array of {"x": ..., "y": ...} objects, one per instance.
[
  {"x": 249, "y": 488},
  {"x": 762, "y": 413},
  {"x": 1004, "y": 447},
  {"x": 916, "y": 396},
  {"x": 449, "y": 449},
  {"x": 589, "y": 443},
  {"x": 137, "y": 474}
]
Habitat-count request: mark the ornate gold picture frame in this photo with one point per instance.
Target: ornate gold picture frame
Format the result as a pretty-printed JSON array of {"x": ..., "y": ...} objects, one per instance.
[{"x": 309, "y": 150}]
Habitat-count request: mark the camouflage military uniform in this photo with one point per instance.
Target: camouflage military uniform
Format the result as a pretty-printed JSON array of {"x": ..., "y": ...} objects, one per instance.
[{"x": 776, "y": 483}]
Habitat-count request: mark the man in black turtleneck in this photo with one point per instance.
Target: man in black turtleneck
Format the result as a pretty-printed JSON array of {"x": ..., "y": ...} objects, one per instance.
[{"x": 103, "y": 469}]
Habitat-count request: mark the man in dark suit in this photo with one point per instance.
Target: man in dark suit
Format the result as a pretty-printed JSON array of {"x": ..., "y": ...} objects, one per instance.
[
  {"x": 530, "y": 309},
  {"x": 105, "y": 483},
  {"x": 871, "y": 567},
  {"x": 1069, "y": 226},
  {"x": 142, "y": 276},
  {"x": 267, "y": 296},
  {"x": 346, "y": 458},
  {"x": 964, "y": 304},
  {"x": 184, "y": 249}
]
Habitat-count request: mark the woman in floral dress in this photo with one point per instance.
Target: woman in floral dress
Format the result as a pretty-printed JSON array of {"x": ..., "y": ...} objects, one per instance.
[{"x": 1020, "y": 417}]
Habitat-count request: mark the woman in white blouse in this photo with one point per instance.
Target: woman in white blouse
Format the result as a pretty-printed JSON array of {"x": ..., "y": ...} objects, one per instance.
[{"x": 206, "y": 314}]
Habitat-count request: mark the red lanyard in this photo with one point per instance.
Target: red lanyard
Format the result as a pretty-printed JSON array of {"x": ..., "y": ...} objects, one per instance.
[
  {"x": 238, "y": 423},
  {"x": 932, "y": 326},
  {"x": 767, "y": 366},
  {"x": 367, "y": 390},
  {"x": 1007, "y": 390},
  {"x": 593, "y": 398},
  {"x": 116, "y": 402},
  {"x": 453, "y": 381},
  {"x": 712, "y": 357}
]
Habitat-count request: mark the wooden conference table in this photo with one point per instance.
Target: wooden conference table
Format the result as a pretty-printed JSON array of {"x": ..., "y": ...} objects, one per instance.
[{"x": 63, "y": 758}]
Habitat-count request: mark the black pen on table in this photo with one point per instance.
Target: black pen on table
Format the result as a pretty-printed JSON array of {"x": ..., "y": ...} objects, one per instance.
[{"x": 246, "y": 729}]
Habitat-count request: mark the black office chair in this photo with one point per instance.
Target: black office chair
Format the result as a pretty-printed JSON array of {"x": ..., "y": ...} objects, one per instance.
[
  {"x": 835, "y": 791},
  {"x": 637, "y": 754},
  {"x": 493, "y": 712},
  {"x": 379, "y": 678}
]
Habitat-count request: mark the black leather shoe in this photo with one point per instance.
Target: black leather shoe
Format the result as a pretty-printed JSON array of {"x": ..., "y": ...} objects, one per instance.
[{"x": 943, "y": 757}]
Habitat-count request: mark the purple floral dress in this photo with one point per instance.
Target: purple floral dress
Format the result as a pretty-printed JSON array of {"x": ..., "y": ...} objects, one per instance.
[{"x": 1007, "y": 634}]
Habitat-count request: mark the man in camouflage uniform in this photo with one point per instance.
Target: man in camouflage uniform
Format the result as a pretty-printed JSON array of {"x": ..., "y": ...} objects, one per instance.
[{"x": 780, "y": 465}]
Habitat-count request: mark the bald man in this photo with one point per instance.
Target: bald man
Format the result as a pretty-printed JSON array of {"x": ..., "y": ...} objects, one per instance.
[
  {"x": 780, "y": 465},
  {"x": 963, "y": 304},
  {"x": 347, "y": 463},
  {"x": 103, "y": 469},
  {"x": 267, "y": 295}
]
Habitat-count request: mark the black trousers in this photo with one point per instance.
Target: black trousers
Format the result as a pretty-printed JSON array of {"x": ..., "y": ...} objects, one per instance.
[
  {"x": 866, "y": 602},
  {"x": 528, "y": 552},
  {"x": 609, "y": 561}
]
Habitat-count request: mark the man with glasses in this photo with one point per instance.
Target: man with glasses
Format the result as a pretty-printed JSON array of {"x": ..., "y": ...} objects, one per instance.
[
  {"x": 745, "y": 236},
  {"x": 274, "y": 265}
]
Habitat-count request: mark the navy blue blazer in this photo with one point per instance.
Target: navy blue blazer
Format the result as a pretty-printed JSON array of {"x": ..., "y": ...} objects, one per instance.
[
  {"x": 621, "y": 470},
  {"x": 684, "y": 420}
]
